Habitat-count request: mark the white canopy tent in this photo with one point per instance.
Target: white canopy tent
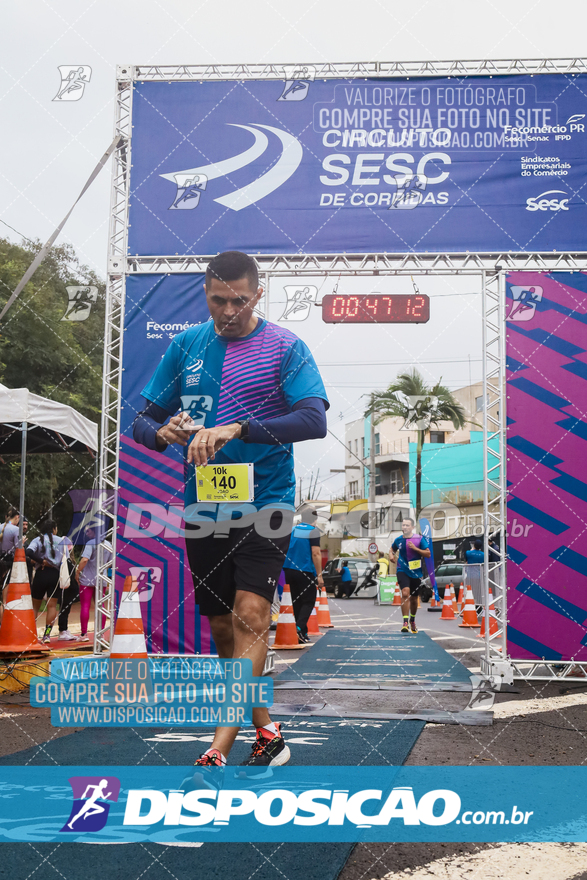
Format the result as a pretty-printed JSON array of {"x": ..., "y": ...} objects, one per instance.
[{"x": 30, "y": 423}]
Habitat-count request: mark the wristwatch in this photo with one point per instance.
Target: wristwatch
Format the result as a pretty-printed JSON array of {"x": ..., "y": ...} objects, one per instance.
[{"x": 244, "y": 423}]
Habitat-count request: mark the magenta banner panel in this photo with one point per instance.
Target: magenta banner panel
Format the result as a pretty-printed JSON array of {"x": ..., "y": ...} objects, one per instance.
[
  {"x": 546, "y": 465},
  {"x": 150, "y": 543}
]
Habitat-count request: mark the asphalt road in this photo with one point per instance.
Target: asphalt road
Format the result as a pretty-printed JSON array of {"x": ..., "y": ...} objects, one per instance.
[{"x": 537, "y": 726}]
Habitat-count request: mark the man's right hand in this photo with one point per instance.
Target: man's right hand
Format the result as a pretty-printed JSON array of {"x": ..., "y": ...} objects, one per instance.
[{"x": 172, "y": 433}]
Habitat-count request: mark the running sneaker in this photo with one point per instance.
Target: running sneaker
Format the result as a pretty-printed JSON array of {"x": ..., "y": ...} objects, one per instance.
[
  {"x": 303, "y": 639},
  {"x": 405, "y": 628},
  {"x": 211, "y": 758},
  {"x": 208, "y": 774},
  {"x": 413, "y": 627},
  {"x": 269, "y": 750},
  {"x": 66, "y": 636},
  {"x": 84, "y": 637}
]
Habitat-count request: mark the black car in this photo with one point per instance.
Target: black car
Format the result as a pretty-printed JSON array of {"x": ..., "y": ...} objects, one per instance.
[{"x": 363, "y": 574}]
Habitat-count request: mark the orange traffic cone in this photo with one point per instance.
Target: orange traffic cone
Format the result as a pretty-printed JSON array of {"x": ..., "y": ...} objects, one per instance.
[
  {"x": 433, "y": 605},
  {"x": 455, "y": 607},
  {"x": 18, "y": 633},
  {"x": 447, "y": 609},
  {"x": 469, "y": 610},
  {"x": 397, "y": 596},
  {"x": 286, "y": 634},
  {"x": 323, "y": 611},
  {"x": 313, "y": 628},
  {"x": 129, "y": 634},
  {"x": 493, "y": 625},
  {"x": 461, "y": 598}
]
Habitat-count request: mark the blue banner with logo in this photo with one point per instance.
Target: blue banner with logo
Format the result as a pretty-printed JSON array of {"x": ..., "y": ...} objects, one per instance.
[
  {"x": 427, "y": 533},
  {"x": 306, "y": 804},
  {"x": 369, "y": 165},
  {"x": 150, "y": 541}
]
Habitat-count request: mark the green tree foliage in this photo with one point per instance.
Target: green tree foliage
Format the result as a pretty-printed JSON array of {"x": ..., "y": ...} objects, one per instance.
[
  {"x": 421, "y": 406},
  {"x": 58, "y": 359}
]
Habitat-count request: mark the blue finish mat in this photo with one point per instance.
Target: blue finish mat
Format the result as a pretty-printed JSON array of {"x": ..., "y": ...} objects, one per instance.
[
  {"x": 148, "y": 861},
  {"x": 312, "y": 742},
  {"x": 353, "y": 654}
]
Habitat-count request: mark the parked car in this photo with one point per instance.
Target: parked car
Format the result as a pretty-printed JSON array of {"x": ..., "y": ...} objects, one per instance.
[
  {"x": 449, "y": 573},
  {"x": 363, "y": 573}
]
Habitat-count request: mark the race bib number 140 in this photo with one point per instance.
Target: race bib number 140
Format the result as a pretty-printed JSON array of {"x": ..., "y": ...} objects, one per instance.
[{"x": 225, "y": 482}]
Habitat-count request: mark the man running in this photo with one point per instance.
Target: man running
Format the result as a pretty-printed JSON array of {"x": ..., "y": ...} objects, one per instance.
[
  {"x": 408, "y": 551},
  {"x": 258, "y": 390}
]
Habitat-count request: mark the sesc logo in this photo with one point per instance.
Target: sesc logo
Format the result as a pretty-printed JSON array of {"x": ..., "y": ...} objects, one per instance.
[
  {"x": 191, "y": 182},
  {"x": 540, "y": 203}
]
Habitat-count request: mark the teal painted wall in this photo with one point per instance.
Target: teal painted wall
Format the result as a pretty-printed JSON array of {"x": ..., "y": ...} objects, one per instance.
[{"x": 450, "y": 471}]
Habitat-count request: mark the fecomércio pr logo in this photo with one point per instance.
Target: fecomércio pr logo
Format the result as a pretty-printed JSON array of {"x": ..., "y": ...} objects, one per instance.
[{"x": 92, "y": 796}]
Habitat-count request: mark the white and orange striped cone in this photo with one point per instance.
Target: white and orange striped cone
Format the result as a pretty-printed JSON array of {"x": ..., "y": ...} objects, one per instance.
[
  {"x": 397, "y": 596},
  {"x": 453, "y": 599},
  {"x": 447, "y": 609},
  {"x": 433, "y": 605},
  {"x": 461, "y": 598},
  {"x": 286, "y": 634},
  {"x": 493, "y": 624},
  {"x": 313, "y": 628},
  {"x": 18, "y": 633},
  {"x": 469, "y": 611},
  {"x": 324, "y": 611},
  {"x": 129, "y": 634}
]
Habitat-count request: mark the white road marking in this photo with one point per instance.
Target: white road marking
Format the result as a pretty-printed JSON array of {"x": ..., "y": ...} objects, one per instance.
[
  {"x": 542, "y": 704},
  {"x": 465, "y": 650},
  {"x": 444, "y": 638},
  {"x": 526, "y": 861}
]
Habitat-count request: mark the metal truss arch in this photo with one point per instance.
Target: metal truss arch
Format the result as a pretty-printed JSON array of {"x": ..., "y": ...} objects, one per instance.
[{"x": 356, "y": 69}]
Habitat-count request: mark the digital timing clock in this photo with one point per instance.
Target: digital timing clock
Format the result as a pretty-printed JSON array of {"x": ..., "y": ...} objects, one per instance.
[{"x": 375, "y": 308}]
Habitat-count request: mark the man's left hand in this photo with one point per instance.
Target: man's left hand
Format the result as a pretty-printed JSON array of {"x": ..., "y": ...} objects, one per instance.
[{"x": 209, "y": 440}]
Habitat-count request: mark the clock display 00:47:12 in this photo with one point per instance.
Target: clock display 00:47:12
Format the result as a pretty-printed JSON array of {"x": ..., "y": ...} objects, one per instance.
[{"x": 376, "y": 308}]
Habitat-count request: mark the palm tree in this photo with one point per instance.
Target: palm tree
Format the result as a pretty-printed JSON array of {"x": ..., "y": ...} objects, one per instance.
[{"x": 420, "y": 406}]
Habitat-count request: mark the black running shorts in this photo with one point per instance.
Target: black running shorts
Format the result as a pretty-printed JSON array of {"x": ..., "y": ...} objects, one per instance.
[
  {"x": 45, "y": 583},
  {"x": 243, "y": 560},
  {"x": 413, "y": 584}
]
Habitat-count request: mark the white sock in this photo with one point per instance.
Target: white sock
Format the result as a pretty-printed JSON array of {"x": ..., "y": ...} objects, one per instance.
[
  {"x": 222, "y": 758},
  {"x": 272, "y": 728}
]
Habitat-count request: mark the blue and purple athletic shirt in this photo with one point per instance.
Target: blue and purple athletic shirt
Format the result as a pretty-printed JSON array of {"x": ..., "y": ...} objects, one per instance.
[
  {"x": 406, "y": 555},
  {"x": 219, "y": 381}
]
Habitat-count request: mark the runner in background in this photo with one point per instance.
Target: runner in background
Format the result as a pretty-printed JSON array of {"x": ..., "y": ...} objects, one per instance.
[
  {"x": 303, "y": 570},
  {"x": 87, "y": 574},
  {"x": 47, "y": 550},
  {"x": 408, "y": 552},
  {"x": 346, "y": 580},
  {"x": 247, "y": 389}
]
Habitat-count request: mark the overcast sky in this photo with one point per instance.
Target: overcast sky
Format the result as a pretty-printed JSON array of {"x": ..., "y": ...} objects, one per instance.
[{"x": 48, "y": 149}]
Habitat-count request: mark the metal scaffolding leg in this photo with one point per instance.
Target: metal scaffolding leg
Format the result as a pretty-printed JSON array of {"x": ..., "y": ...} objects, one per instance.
[
  {"x": 112, "y": 375},
  {"x": 495, "y": 662}
]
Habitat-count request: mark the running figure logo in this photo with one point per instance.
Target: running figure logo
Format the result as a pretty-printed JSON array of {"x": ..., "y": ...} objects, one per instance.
[
  {"x": 189, "y": 189},
  {"x": 297, "y": 83},
  {"x": 409, "y": 193},
  {"x": 90, "y": 805},
  {"x": 420, "y": 413},
  {"x": 80, "y": 302},
  {"x": 146, "y": 578},
  {"x": 299, "y": 301},
  {"x": 74, "y": 78},
  {"x": 197, "y": 406},
  {"x": 525, "y": 300}
]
